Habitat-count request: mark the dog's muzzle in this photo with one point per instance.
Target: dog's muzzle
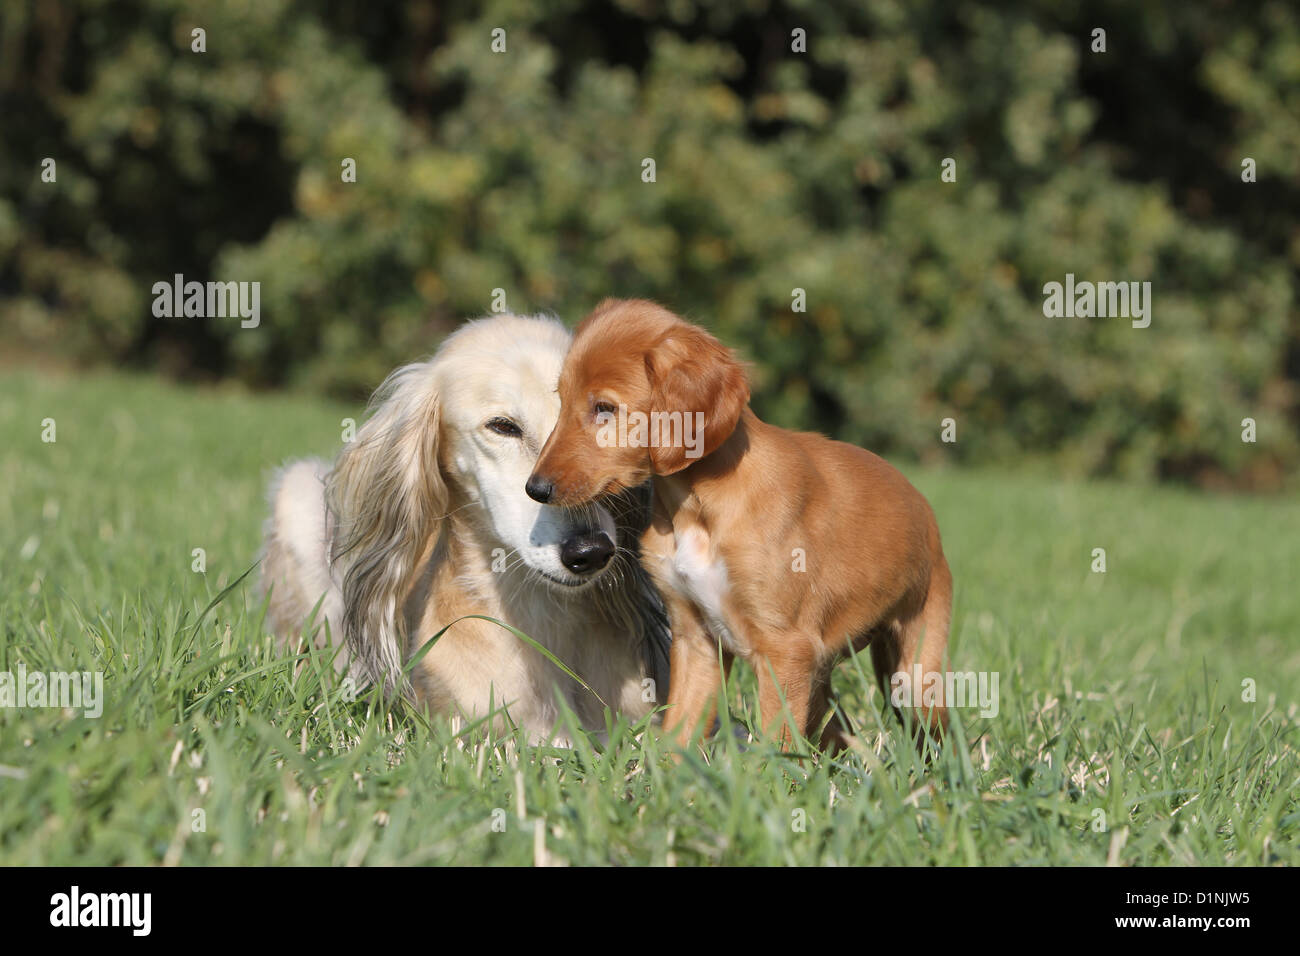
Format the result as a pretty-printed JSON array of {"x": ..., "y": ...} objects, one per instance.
[{"x": 586, "y": 553}]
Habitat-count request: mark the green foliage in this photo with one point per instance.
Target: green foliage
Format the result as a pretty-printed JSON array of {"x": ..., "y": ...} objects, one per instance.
[{"x": 774, "y": 171}]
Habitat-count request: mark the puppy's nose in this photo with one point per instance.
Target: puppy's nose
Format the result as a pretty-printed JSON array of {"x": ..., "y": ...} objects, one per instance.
[
  {"x": 539, "y": 489},
  {"x": 586, "y": 553}
]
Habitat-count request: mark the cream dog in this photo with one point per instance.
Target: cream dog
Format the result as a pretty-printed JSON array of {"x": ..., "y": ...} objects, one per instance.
[{"x": 423, "y": 519}]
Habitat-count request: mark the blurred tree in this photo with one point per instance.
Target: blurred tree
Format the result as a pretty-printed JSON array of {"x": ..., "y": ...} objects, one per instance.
[{"x": 775, "y": 170}]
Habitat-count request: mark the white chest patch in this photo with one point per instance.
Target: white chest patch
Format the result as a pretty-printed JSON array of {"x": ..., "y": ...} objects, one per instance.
[{"x": 701, "y": 577}]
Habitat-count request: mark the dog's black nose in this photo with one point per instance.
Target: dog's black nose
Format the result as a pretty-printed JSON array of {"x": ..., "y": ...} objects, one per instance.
[
  {"x": 586, "y": 553},
  {"x": 539, "y": 489}
]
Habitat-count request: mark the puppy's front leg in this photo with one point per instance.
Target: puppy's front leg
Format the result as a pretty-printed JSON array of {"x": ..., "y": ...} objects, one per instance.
[
  {"x": 786, "y": 670},
  {"x": 695, "y": 674}
]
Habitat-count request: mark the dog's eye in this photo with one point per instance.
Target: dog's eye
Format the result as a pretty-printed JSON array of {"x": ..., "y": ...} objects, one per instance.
[
  {"x": 605, "y": 408},
  {"x": 504, "y": 426}
]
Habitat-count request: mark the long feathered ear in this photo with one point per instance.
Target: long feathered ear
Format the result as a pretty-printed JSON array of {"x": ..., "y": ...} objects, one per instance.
[
  {"x": 388, "y": 495},
  {"x": 693, "y": 373}
]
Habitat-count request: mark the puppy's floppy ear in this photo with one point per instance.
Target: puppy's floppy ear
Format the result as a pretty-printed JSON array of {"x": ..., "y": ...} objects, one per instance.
[
  {"x": 388, "y": 495},
  {"x": 690, "y": 371}
]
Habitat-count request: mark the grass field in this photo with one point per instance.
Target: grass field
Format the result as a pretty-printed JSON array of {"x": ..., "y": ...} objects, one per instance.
[{"x": 1122, "y": 734}]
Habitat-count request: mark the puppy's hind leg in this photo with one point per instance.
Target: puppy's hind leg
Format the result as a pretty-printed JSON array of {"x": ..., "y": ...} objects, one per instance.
[{"x": 915, "y": 651}]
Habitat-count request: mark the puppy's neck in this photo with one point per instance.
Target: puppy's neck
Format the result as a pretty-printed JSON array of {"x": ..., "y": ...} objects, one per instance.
[{"x": 686, "y": 495}]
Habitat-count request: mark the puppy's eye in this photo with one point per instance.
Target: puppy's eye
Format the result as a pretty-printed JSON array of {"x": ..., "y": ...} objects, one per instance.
[
  {"x": 605, "y": 408},
  {"x": 504, "y": 426}
]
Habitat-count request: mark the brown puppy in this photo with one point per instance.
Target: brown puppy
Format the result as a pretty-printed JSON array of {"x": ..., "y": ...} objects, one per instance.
[{"x": 784, "y": 548}]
